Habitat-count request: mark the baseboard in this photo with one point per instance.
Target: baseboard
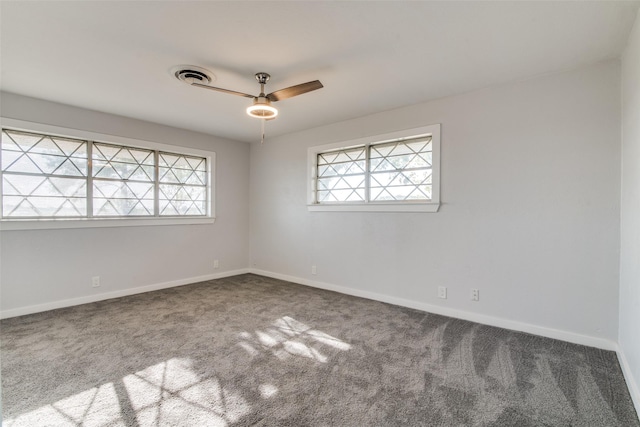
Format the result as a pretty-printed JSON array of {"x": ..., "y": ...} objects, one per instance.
[
  {"x": 21, "y": 311},
  {"x": 445, "y": 311},
  {"x": 572, "y": 337},
  {"x": 632, "y": 385}
]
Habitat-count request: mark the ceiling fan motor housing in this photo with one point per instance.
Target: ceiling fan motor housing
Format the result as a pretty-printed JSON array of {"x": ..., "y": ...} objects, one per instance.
[{"x": 262, "y": 108}]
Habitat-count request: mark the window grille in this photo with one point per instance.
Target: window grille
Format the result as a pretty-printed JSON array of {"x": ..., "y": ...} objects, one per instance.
[
  {"x": 341, "y": 175},
  {"x": 46, "y": 176},
  {"x": 183, "y": 185},
  {"x": 123, "y": 181},
  {"x": 43, "y": 176},
  {"x": 400, "y": 170},
  {"x": 391, "y": 171}
]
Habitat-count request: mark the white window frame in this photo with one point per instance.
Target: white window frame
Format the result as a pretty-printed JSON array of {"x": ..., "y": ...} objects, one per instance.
[
  {"x": 9, "y": 224},
  {"x": 388, "y": 206}
]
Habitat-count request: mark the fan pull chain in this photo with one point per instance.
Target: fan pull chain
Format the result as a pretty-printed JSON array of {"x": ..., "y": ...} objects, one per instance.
[{"x": 262, "y": 139}]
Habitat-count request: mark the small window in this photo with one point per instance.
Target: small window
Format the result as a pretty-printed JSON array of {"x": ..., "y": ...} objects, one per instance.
[
  {"x": 393, "y": 172},
  {"x": 50, "y": 177}
]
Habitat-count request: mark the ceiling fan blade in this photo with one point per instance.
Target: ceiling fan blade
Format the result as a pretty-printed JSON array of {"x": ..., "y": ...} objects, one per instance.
[
  {"x": 294, "y": 91},
  {"x": 217, "y": 89}
]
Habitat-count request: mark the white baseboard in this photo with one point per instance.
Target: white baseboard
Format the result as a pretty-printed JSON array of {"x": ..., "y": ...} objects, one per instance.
[
  {"x": 5, "y": 314},
  {"x": 572, "y": 337},
  {"x": 445, "y": 311},
  {"x": 634, "y": 387}
]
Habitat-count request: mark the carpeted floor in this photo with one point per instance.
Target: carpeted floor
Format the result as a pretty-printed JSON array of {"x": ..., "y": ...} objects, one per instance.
[{"x": 250, "y": 350}]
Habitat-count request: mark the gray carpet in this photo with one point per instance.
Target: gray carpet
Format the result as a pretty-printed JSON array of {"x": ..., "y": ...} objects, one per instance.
[{"x": 250, "y": 350}]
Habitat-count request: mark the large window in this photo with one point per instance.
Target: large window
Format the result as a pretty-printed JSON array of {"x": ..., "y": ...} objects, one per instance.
[
  {"x": 393, "y": 172},
  {"x": 51, "y": 177}
]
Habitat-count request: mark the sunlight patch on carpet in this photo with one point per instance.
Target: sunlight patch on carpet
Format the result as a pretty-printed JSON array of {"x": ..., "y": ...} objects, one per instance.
[
  {"x": 288, "y": 337},
  {"x": 95, "y": 407},
  {"x": 171, "y": 393},
  {"x": 168, "y": 393}
]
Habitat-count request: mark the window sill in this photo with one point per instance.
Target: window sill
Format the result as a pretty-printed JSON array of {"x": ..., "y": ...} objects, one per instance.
[
  {"x": 375, "y": 207},
  {"x": 51, "y": 224}
]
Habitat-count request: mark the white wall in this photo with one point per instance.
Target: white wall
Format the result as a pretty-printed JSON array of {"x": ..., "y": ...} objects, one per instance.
[
  {"x": 629, "y": 336},
  {"x": 49, "y": 266},
  {"x": 530, "y": 214}
]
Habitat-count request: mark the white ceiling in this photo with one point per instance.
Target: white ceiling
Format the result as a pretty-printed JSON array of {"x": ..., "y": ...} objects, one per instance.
[{"x": 371, "y": 56}]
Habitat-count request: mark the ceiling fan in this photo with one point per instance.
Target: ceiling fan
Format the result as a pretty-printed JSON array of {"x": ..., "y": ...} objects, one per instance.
[{"x": 261, "y": 107}]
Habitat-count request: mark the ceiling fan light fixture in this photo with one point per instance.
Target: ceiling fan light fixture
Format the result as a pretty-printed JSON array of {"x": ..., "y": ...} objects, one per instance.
[{"x": 262, "y": 109}]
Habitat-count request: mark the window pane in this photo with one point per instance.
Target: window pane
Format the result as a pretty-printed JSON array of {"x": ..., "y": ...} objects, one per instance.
[
  {"x": 41, "y": 196},
  {"x": 123, "y": 182},
  {"x": 183, "y": 185},
  {"x": 126, "y": 163},
  {"x": 43, "y": 176},
  {"x": 341, "y": 175},
  {"x": 119, "y": 198},
  {"x": 401, "y": 170},
  {"x": 44, "y": 155},
  {"x": 122, "y": 207}
]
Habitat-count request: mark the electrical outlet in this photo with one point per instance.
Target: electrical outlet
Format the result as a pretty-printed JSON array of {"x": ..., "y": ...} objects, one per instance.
[
  {"x": 95, "y": 281},
  {"x": 475, "y": 295},
  {"x": 216, "y": 264},
  {"x": 314, "y": 270},
  {"x": 442, "y": 292}
]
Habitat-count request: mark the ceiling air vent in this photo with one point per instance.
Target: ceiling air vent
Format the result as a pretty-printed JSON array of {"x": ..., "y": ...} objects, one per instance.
[{"x": 192, "y": 74}]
